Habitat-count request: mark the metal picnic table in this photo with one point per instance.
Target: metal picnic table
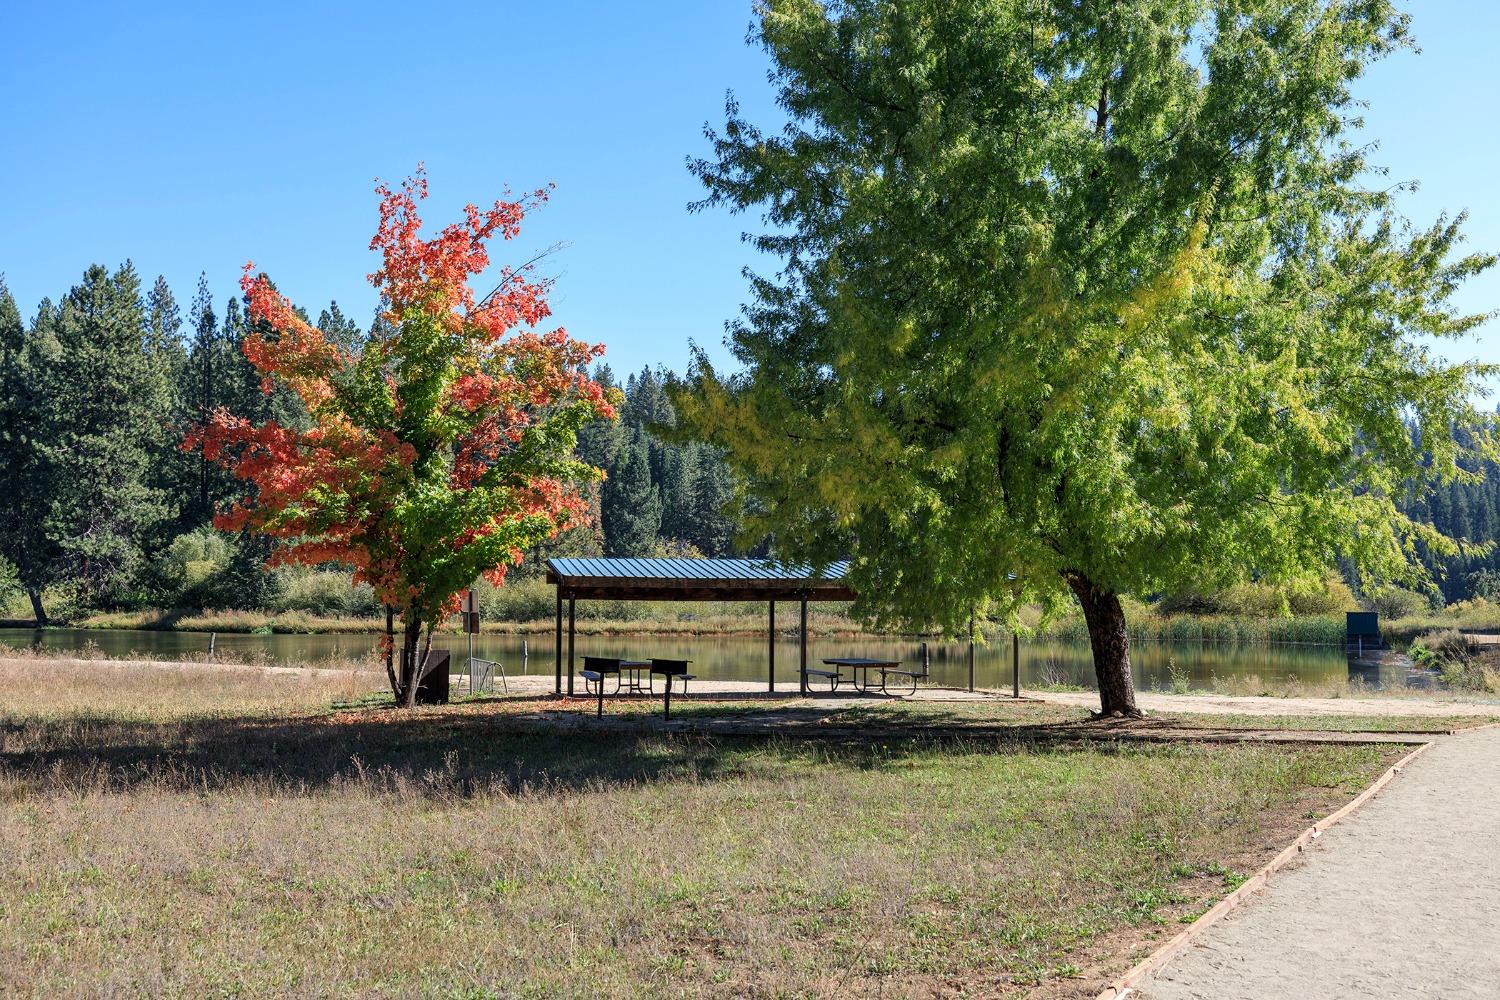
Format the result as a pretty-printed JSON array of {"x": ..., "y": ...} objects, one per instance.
[
  {"x": 860, "y": 667},
  {"x": 633, "y": 683},
  {"x": 628, "y": 674}
]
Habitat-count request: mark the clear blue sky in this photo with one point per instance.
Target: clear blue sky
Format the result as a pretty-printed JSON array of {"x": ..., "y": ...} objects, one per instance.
[{"x": 192, "y": 137}]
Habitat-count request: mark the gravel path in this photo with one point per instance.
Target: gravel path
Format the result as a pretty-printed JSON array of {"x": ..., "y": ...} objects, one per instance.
[{"x": 1401, "y": 899}]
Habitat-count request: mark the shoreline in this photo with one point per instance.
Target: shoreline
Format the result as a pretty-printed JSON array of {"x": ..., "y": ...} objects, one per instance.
[{"x": 724, "y": 626}]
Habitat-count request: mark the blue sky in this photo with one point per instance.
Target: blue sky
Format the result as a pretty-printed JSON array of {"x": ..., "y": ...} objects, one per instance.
[{"x": 192, "y": 137}]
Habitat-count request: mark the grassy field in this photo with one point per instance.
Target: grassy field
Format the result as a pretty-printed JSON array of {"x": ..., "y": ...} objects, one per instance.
[{"x": 209, "y": 833}]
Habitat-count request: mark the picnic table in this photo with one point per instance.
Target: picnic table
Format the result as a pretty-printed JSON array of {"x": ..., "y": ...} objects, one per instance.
[
  {"x": 859, "y": 669},
  {"x": 633, "y": 682},
  {"x": 670, "y": 670},
  {"x": 628, "y": 677}
]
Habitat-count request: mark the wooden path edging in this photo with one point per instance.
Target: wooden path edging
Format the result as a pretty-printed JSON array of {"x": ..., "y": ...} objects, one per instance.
[{"x": 1126, "y": 984}]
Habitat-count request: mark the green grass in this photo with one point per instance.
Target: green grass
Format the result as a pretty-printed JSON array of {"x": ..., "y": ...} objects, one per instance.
[{"x": 520, "y": 849}]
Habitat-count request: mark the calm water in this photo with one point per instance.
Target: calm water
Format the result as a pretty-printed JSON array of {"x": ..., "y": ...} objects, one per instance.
[{"x": 739, "y": 658}]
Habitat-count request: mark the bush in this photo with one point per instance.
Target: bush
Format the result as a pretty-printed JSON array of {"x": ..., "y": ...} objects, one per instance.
[
  {"x": 1447, "y": 651},
  {"x": 517, "y": 601},
  {"x": 1263, "y": 600},
  {"x": 1188, "y": 602},
  {"x": 1392, "y": 602},
  {"x": 326, "y": 592}
]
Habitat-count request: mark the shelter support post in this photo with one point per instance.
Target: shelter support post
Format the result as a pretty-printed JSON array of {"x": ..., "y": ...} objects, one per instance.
[
  {"x": 971, "y": 652},
  {"x": 1015, "y": 665},
  {"x": 771, "y": 648},
  {"x": 571, "y": 603},
  {"x": 802, "y": 639},
  {"x": 557, "y": 689}
]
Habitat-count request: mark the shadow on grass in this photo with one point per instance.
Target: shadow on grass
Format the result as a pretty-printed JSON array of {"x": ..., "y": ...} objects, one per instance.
[{"x": 467, "y": 750}]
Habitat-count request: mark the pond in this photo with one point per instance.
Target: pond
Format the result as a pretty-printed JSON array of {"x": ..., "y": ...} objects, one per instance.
[{"x": 1157, "y": 665}]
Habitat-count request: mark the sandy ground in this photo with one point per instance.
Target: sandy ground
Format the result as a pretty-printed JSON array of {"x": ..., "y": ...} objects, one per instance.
[{"x": 1400, "y": 899}]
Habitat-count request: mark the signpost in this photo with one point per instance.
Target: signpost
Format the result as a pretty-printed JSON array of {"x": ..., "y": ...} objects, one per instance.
[{"x": 484, "y": 678}]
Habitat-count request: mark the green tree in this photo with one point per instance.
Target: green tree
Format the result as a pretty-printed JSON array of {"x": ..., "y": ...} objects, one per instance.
[
  {"x": 107, "y": 396},
  {"x": 340, "y": 329},
  {"x": 171, "y": 473},
  {"x": 711, "y": 498},
  {"x": 24, "y": 481},
  {"x": 1081, "y": 298},
  {"x": 631, "y": 504}
]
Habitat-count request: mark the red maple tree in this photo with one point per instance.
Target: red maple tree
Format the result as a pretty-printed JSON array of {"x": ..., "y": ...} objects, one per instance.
[{"x": 440, "y": 448}]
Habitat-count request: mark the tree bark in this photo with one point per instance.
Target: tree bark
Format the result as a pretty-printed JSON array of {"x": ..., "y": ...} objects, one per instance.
[
  {"x": 390, "y": 652},
  {"x": 1111, "y": 647},
  {"x": 410, "y": 677},
  {"x": 37, "y": 611}
]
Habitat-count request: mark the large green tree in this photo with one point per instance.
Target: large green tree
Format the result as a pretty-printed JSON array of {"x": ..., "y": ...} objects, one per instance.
[
  {"x": 631, "y": 502},
  {"x": 24, "y": 481},
  {"x": 1089, "y": 298},
  {"x": 107, "y": 403}
]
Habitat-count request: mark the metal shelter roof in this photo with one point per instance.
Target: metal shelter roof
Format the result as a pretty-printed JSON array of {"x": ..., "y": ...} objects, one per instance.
[{"x": 696, "y": 580}]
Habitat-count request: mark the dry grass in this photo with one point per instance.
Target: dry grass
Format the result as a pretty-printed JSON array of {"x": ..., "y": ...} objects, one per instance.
[
  {"x": 40, "y": 687},
  {"x": 174, "y": 834},
  {"x": 1393, "y": 723}
]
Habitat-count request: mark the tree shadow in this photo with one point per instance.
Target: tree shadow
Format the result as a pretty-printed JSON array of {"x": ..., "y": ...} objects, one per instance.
[{"x": 462, "y": 753}]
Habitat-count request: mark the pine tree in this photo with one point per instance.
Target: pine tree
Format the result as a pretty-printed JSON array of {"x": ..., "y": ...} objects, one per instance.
[
  {"x": 632, "y": 506},
  {"x": 340, "y": 329},
  {"x": 201, "y": 394},
  {"x": 711, "y": 500},
  {"x": 106, "y": 400},
  {"x": 24, "y": 482},
  {"x": 172, "y": 472}
]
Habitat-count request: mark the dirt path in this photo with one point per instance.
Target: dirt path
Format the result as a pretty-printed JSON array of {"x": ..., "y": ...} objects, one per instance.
[
  {"x": 1400, "y": 899},
  {"x": 1216, "y": 704}
]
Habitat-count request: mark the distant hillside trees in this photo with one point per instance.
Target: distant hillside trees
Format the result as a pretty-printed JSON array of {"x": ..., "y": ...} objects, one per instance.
[{"x": 102, "y": 509}]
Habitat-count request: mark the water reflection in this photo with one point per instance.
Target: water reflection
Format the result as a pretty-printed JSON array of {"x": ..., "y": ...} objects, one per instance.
[{"x": 1158, "y": 666}]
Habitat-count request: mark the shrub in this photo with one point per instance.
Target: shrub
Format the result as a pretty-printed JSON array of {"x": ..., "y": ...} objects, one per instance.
[
  {"x": 1391, "y": 601},
  {"x": 1264, "y": 600},
  {"x": 325, "y": 592},
  {"x": 517, "y": 601},
  {"x": 1188, "y": 602},
  {"x": 1447, "y": 651}
]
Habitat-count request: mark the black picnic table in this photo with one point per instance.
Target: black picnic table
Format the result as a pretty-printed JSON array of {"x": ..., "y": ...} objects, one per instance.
[
  {"x": 860, "y": 667},
  {"x": 596, "y": 668}
]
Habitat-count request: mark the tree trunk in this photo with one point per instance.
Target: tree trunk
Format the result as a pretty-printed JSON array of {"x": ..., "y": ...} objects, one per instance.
[
  {"x": 390, "y": 652},
  {"x": 410, "y": 676},
  {"x": 1111, "y": 646},
  {"x": 37, "y": 611}
]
